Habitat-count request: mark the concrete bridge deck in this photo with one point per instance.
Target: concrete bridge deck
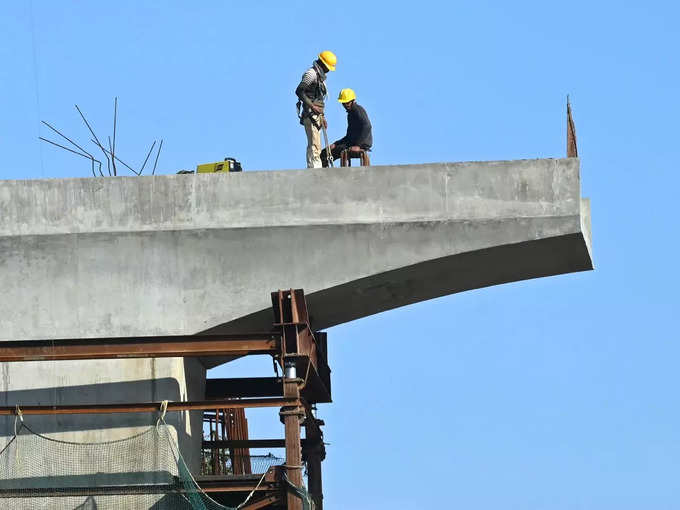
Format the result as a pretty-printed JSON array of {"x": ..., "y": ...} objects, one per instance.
[
  {"x": 179, "y": 254},
  {"x": 183, "y": 254}
]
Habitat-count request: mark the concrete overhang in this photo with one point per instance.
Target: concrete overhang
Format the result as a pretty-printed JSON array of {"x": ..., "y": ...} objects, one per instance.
[{"x": 183, "y": 254}]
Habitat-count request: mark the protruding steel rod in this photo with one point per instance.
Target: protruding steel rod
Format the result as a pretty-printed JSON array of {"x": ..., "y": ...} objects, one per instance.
[
  {"x": 113, "y": 147},
  {"x": 74, "y": 152},
  {"x": 157, "y": 155},
  {"x": 147, "y": 156},
  {"x": 72, "y": 142},
  {"x": 107, "y": 159},
  {"x": 65, "y": 148},
  {"x": 97, "y": 142},
  {"x": 66, "y": 137},
  {"x": 110, "y": 153},
  {"x": 121, "y": 161}
]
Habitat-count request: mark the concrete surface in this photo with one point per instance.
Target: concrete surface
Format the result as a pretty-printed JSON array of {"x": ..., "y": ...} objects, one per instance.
[{"x": 182, "y": 254}]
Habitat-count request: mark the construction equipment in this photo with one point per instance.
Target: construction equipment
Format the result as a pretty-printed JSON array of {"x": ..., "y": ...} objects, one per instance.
[
  {"x": 228, "y": 165},
  {"x": 329, "y": 156}
]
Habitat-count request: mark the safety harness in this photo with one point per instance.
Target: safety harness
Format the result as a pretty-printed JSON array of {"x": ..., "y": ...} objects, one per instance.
[{"x": 320, "y": 94}]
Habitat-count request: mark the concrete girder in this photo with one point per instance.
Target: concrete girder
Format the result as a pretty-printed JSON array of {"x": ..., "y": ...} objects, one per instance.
[
  {"x": 183, "y": 254},
  {"x": 180, "y": 254}
]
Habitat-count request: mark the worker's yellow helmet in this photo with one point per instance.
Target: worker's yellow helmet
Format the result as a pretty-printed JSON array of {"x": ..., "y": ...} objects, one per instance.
[
  {"x": 347, "y": 95},
  {"x": 329, "y": 59}
]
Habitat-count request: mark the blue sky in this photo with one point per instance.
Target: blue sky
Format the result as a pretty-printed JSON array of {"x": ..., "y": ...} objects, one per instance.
[{"x": 559, "y": 393}]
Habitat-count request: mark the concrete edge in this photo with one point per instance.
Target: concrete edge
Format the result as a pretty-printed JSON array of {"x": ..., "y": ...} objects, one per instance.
[
  {"x": 586, "y": 227},
  {"x": 348, "y": 169}
]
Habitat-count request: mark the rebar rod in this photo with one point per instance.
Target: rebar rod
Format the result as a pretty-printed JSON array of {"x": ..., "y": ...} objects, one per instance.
[
  {"x": 147, "y": 156},
  {"x": 121, "y": 161},
  {"x": 157, "y": 155},
  {"x": 66, "y": 137},
  {"x": 74, "y": 152},
  {"x": 113, "y": 147},
  {"x": 97, "y": 142},
  {"x": 74, "y": 144}
]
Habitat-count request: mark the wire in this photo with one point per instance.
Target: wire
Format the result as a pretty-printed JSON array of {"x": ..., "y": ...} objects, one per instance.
[
  {"x": 163, "y": 409},
  {"x": 179, "y": 458},
  {"x": 35, "y": 81},
  {"x": 19, "y": 416},
  {"x": 253, "y": 491}
]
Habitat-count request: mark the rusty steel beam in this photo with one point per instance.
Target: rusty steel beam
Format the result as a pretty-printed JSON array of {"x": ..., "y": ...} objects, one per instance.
[
  {"x": 243, "y": 387},
  {"x": 140, "y": 347},
  {"x": 149, "y": 407},
  {"x": 291, "y": 417},
  {"x": 299, "y": 344},
  {"x": 247, "y": 483},
  {"x": 248, "y": 443},
  {"x": 261, "y": 503},
  {"x": 237, "y": 486}
]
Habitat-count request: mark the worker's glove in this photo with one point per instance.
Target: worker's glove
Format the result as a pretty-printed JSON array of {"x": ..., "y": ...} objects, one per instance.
[
  {"x": 316, "y": 109},
  {"x": 323, "y": 121}
]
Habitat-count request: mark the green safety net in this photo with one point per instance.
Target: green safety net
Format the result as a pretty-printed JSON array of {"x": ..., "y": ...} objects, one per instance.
[{"x": 145, "y": 471}]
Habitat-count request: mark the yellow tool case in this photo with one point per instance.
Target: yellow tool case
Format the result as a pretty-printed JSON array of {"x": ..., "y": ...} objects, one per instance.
[{"x": 228, "y": 165}]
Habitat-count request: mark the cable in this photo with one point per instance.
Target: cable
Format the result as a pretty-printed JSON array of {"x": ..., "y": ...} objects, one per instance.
[
  {"x": 179, "y": 458},
  {"x": 35, "y": 81},
  {"x": 161, "y": 418},
  {"x": 253, "y": 491}
]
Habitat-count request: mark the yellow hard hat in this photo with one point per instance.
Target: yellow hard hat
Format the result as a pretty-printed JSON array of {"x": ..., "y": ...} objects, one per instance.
[
  {"x": 329, "y": 59},
  {"x": 347, "y": 95}
]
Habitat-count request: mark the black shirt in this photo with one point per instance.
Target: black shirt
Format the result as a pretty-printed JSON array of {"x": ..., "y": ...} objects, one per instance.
[{"x": 359, "y": 129}]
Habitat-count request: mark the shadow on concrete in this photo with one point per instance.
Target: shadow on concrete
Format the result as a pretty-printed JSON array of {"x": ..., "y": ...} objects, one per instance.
[
  {"x": 427, "y": 280},
  {"x": 104, "y": 481},
  {"x": 166, "y": 501},
  {"x": 103, "y": 393}
]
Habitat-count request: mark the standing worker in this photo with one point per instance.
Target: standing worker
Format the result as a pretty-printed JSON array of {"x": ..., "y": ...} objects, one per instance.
[
  {"x": 359, "y": 130},
  {"x": 312, "y": 92}
]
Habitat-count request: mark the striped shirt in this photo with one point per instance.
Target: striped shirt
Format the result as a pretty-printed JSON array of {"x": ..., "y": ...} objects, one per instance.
[
  {"x": 309, "y": 78},
  {"x": 312, "y": 87}
]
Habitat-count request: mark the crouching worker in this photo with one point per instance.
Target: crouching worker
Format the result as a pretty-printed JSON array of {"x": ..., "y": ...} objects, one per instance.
[{"x": 359, "y": 131}]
